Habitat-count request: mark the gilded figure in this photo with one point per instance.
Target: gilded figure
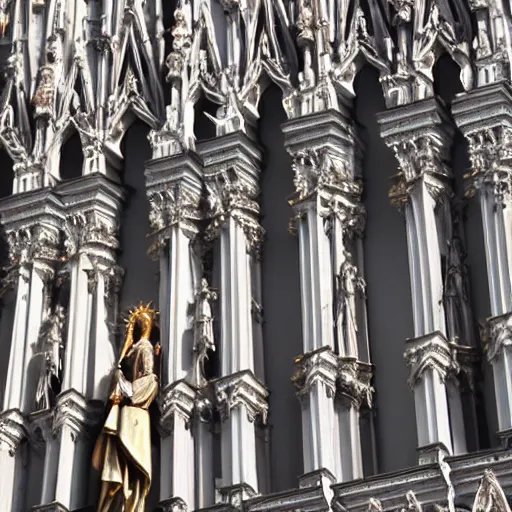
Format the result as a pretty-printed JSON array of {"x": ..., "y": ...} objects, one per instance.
[{"x": 123, "y": 451}]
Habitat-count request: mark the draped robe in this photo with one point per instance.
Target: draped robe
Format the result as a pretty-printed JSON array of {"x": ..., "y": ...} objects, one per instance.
[{"x": 123, "y": 450}]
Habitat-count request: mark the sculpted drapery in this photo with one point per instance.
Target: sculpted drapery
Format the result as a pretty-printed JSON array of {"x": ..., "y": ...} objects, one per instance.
[{"x": 123, "y": 450}]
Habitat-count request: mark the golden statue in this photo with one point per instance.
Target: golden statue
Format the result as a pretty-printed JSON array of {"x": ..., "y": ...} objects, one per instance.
[{"x": 123, "y": 450}]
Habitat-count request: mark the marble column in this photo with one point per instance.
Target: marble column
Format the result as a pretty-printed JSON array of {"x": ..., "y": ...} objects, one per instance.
[
  {"x": 489, "y": 134},
  {"x": 174, "y": 185},
  {"x": 328, "y": 220},
  {"x": 93, "y": 206},
  {"x": 33, "y": 239},
  {"x": 232, "y": 180},
  {"x": 422, "y": 189}
]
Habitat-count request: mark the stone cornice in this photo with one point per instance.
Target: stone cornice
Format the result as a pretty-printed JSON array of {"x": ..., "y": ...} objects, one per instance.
[
  {"x": 331, "y": 128},
  {"x": 234, "y": 151},
  {"x": 425, "y": 482}
]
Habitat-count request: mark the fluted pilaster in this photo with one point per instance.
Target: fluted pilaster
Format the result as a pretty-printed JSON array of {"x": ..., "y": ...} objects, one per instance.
[
  {"x": 422, "y": 189},
  {"x": 484, "y": 115},
  {"x": 232, "y": 169},
  {"x": 328, "y": 220}
]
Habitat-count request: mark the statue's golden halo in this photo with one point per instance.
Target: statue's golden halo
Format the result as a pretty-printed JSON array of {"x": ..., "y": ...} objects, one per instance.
[{"x": 142, "y": 311}]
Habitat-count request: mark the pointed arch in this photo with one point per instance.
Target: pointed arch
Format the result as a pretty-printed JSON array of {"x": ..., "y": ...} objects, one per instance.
[
  {"x": 490, "y": 496},
  {"x": 138, "y": 54}
]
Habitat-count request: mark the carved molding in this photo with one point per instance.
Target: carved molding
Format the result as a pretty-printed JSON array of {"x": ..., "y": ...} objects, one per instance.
[
  {"x": 322, "y": 170},
  {"x": 241, "y": 389},
  {"x": 419, "y": 161},
  {"x": 171, "y": 208},
  {"x": 13, "y": 430},
  {"x": 354, "y": 381},
  {"x": 74, "y": 411},
  {"x": 430, "y": 352},
  {"x": 490, "y": 495},
  {"x": 346, "y": 377},
  {"x": 172, "y": 505},
  {"x": 229, "y": 196},
  {"x": 490, "y": 154},
  {"x": 177, "y": 398},
  {"x": 32, "y": 242},
  {"x": 317, "y": 368},
  {"x": 234, "y": 496},
  {"x": 89, "y": 230},
  {"x": 498, "y": 335},
  {"x": 413, "y": 505}
]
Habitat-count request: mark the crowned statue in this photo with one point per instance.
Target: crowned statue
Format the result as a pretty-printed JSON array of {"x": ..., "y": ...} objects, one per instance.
[{"x": 123, "y": 451}]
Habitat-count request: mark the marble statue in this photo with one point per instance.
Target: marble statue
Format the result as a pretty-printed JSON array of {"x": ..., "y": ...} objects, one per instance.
[
  {"x": 51, "y": 348},
  {"x": 348, "y": 285},
  {"x": 203, "y": 334}
]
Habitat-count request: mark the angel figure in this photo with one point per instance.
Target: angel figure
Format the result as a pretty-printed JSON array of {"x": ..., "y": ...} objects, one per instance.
[{"x": 123, "y": 451}]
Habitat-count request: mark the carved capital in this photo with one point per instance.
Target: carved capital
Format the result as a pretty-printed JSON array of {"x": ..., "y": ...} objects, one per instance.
[
  {"x": 174, "y": 187},
  {"x": 466, "y": 366},
  {"x": 174, "y": 207},
  {"x": 19, "y": 244},
  {"x": 176, "y": 399},
  {"x": 489, "y": 134},
  {"x": 230, "y": 197},
  {"x": 319, "y": 367},
  {"x": 420, "y": 162},
  {"x": 235, "y": 495},
  {"x": 172, "y": 505},
  {"x": 498, "y": 336},
  {"x": 354, "y": 380},
  {"x": 89, "y": 230},
  {"x": 325, "y": 172},
  {"x": 241, "y": 389},
  {"x": 13, "y": 430},
  {"x": 430, "y": 352},
  {"x": 33, "y": 242},
  {"x": 490, "y": 152},
  {"x": 74, "y": 411},
  {"x": 420, "y": 137}
]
